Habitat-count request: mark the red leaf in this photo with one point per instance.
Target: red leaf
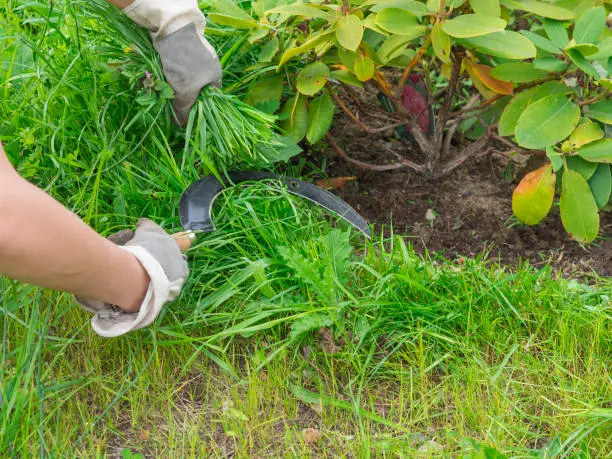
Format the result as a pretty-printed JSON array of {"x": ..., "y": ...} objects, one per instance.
[{"x": 414, "y": 98}]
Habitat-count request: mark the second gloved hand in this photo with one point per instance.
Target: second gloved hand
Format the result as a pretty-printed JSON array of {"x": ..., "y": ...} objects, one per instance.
[
  {"x": 166, "y": 266},
  {"x": 190, "y": 63}
]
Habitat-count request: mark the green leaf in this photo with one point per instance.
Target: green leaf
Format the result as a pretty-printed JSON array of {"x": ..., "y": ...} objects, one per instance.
[
  {"x": 533, "y": 197},
  {"x": 441, "y": 43},
  {"x": 518, "y": 72},
  {"x": 265, "y": 94},
  {"x": 601, "y": 185},
  {"x": 269, "y": 50},
  {"x": 295, "y": 122},
  {"x": 550, "y": 64},
  {"x": 392, "y": 48},
  {"x": 590, "y": 25},
  {"x": 412, "y": 6},
  {"x": 578, "y": 207},
  {"x": 257, "y": 34},
  {"x": 231, "y": 21},
  {"x": 582, "y": 166},
  {"x": 400, "y": 22},
  {"x": 543, "y": 43},
  {"x": 312, "y": 78},
  {"x": 364, "y": 68},
  {"x": 299, "y": 9},
  {"x": 601, "y": 111},
  {"x": 230, "y": 8},
  {"x": 473, "y": 25},
  {"x": 320, "y": 117},
  {"x": 547, "y": 122},
  {"x": 312, "y": 321},
  {"x": 586, "y": 49},
  {"x": 370, "y": 23},
  {"x": 516, "y": 107},
  {"x": 585, "y": 133},
  {"x": 604, "y": 50},
  {"x": 486, "y": 7},
  {"x": 346, "y": 77},
  {"x": 349, "y": 32},
  {"x": 307, "y": 46},
  {"x": 599, "y": 151},
  {"x": 543, "y": 9},
  {"x": 581, "y": 62},
  {"x": 556, "y": 160},
  {"x": 507, "y": 44},
  {"x": 283, "y": 150},
  {"x": 556, "y": 32}
]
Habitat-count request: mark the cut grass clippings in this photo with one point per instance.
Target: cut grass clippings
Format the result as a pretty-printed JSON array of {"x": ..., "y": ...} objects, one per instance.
[{"x": 289, "y": 321}]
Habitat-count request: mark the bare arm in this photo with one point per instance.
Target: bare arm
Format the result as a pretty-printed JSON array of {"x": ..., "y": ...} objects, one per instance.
[
  {"x": 45, "y": 244},
  {"x": 120, "y": 3}
]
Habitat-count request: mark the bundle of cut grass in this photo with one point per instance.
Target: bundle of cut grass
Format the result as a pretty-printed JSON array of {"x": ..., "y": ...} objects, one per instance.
[
  {"x": 222, "y": 130},
  {"x": 230, "y": 131}
]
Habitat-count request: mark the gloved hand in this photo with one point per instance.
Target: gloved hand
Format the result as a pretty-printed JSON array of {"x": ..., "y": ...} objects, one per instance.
[
  {"x": 167, "y": 268},
  {"x": 189, "y": 61}
]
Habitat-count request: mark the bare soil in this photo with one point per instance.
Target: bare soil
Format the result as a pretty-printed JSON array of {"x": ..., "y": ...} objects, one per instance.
[{"x": 472, "y": 207}]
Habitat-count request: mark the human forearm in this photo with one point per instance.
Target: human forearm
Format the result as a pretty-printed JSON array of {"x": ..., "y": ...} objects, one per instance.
[
  {"x": 120, "y": 3},
  {"x": 43, "y": 243}
]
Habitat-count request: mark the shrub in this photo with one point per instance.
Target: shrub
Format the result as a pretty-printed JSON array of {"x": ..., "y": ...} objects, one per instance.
[{"x": 525, "y": 76}]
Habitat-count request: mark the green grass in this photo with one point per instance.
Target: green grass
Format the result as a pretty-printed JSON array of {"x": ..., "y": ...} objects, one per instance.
[{"x": 288, "y": 321}]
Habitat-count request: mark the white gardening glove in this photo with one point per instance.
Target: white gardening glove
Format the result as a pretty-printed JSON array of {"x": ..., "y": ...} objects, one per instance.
[
  {"x": 189, "y": 61},
  {"x": 166, "y": 266}
]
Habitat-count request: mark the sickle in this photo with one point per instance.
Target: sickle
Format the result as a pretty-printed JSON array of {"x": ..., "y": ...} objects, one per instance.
[{"x": 195, "y": 206}]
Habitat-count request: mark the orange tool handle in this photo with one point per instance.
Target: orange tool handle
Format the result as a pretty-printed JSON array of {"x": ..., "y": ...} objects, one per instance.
[{"x": 184, "y": 240}]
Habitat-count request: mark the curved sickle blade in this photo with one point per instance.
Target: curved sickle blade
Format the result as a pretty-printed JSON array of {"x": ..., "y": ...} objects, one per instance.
[{"x": 195, "y": 207}]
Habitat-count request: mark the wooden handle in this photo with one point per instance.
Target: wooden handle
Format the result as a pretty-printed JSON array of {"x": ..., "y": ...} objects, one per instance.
[{"x": 184, "y": 240}]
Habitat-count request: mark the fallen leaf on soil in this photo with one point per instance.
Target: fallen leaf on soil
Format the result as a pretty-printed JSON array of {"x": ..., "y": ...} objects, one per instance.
[
  {"x": 430, "y": 216},
  {"x": 311, "y": 435},
  {"x": 326, "y": 340},
  {"x": 144, "y": 435},
  {"x": 334, "y": 183}
]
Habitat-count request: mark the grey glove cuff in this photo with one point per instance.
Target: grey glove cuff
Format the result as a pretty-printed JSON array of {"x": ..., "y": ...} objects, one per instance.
[
  {"x": 163, "y": 17},
  {"x": 167, "y": 269}
]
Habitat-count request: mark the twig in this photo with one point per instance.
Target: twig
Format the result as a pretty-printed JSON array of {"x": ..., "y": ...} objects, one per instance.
[
  {"x": 453, "y": 125},
  {"x": 415, "y": 60},
  {"x": 358, "y": 121},
  {"x": 592, "y": 100},
  {"x": 516, "y": 148},
  {"x": 362, "y": 164},
  {"x": 475, "y": 149},
  {"x": 353, "y": 96},
  {"x": 405, "y": 161},
  {"x": 449, "y": 138},
  {"x": 443, "y": 115}
]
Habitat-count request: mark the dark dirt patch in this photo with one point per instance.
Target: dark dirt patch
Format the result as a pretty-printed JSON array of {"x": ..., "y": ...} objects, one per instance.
[{"x": 472, "y": 206}]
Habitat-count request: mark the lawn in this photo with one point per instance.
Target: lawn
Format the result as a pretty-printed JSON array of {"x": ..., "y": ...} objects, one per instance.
[{"x": 294, "y": 336}]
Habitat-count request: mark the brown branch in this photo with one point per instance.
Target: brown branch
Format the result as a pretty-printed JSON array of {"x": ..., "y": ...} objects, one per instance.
[
  {"x": 415, "y": 60},
  {"x": 357, "y": 121},
  {"x": 405, "y": 161},
  {"x": 592, "y": 100},
  {"x": 477, "y": 148},
  {"x": 516, "y": 148},
  {"x": 362, "y": 164},
  {"x": 443, "y": 115},
  {"x": 449, "y": 138},
  {"x": 353, "y": 96}
]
